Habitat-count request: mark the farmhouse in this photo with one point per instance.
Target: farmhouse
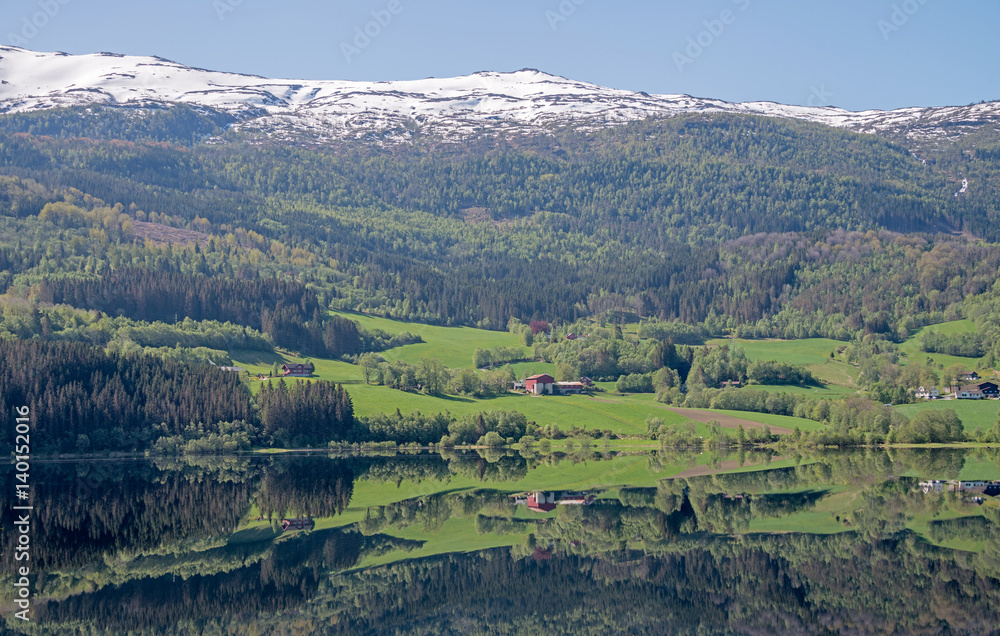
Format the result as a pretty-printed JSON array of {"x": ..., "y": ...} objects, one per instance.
[
  {"x": 296, "y": 370},
  {"x": 928, "y": 393},
  {"x": 539, "y": 384},
  {"x": 969, "y": 393},
  {"x": 542, "y": 501},
  {"x": 989, "y": 389},
  {"x": 967, "y": 376},
  {"x": 980, "y": 487},
  {"x": 546, "y": 501},
  {"x": 569, "y": 387}
]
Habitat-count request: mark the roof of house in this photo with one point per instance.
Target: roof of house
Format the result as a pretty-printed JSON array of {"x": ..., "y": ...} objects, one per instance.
[{"x": 541, "y": 377}]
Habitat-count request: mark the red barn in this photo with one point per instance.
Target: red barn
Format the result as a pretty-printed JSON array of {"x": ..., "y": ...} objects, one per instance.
[{"x": 539, "y": 384}]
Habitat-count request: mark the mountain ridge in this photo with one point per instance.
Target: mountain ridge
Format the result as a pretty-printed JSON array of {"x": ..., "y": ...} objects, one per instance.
[{"x": 526, "y": 101}]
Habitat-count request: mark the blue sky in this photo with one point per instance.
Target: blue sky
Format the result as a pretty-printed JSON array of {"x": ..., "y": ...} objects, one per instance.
[{"x": 856, "y": 54}]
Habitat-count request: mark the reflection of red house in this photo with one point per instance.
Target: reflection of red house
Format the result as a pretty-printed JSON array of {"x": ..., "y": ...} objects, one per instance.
[
  {"x": 296, "y": 370},
  {"x": 296, "y": 524},
  {"x": 542, "y": 501},
  {"x": 541, "y": 383}
]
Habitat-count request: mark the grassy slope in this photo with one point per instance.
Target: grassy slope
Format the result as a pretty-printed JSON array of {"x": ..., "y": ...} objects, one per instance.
[
  {"x": 453, "y": 346},
  {"x": 812, "y": 353},
  {"x": 912, "y": 345},
  {"x": 973, "y": 413},
  {"x": 805, "y": 352},
  {"x": 623, "y": 415}
]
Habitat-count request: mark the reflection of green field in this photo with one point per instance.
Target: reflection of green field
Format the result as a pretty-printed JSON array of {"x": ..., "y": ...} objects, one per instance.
[
  {"x": 459, "y": 534},
  {"x": 633, "y": 471},
  {"x": 973, "y": 413},
  {"x": 820, "y": 519},
  {"x": 455, "y": 535}
]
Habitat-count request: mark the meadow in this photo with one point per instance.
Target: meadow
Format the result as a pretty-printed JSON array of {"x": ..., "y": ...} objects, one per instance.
[
  {"x": 911, "y": 347},
  {"x": 624, "y": 415},
  {"x": 973, "y": 413}
]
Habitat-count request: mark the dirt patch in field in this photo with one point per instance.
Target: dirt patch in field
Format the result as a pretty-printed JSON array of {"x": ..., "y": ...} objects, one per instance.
[{"x": 726, "y": 421}]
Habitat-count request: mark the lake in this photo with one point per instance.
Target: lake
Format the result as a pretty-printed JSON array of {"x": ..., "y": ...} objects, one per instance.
[{"x": 899, "y": 541}]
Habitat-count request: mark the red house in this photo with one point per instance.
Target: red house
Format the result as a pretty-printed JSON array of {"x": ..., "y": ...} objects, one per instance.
[
  {"x": 539, "y": 384},
  {"x": 296, "y": 524},
  {"x": 542, "y": 501},
  {"x": 296, "y": 370}
]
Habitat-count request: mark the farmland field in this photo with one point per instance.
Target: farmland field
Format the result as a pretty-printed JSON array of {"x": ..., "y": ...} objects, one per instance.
[
  {"x": 911, "y": 348},
  {"x": 973, "y": 413}
]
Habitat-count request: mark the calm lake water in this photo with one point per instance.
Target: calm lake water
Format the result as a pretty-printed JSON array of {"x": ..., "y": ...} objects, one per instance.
[{"x": 510, "y": 543}]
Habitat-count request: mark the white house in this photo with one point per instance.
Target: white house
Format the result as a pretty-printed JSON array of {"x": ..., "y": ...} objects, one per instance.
[
  {"x": 928, "y": 393},
  {"x": 969, "y": 393}
]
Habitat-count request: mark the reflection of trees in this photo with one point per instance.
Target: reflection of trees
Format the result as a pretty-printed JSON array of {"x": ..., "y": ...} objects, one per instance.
[
  {"x": 83, "y": 512},
  {"x": 778, "y": 584},
  {"x": 308, "y": 486},
  {"x": 284, "y": 579},
  {"x": 497, "y": 466}
]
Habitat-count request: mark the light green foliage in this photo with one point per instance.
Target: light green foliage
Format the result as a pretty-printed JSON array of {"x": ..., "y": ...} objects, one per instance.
[
  {"x": 714, "y": 365},
  {"x": 931, "y": 427}
]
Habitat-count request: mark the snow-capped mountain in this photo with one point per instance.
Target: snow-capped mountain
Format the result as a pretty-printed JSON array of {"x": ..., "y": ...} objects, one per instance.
[{"x": 523, "y": 101}]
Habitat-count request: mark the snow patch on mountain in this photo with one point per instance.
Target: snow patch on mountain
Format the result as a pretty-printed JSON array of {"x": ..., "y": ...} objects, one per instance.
[{"x": 487, "y": 102}]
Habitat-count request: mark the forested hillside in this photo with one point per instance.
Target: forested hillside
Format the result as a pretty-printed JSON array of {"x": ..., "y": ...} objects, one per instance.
[
  {"x": 160, "y": 233},
  {"x": 677, "y": 219}
]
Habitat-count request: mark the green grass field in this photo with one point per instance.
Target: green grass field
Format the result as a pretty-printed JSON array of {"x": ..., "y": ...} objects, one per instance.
[
  {"x": 838, "y": 377},
  {"x": 911, "y": 348},
  {"x": 804, "y": 352},
  {"x": 624, "y": 415},
  {"x": 453, "y": 346},
  {"x": 783, "y": 421},
  {"x": 973, "y": 413}
]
